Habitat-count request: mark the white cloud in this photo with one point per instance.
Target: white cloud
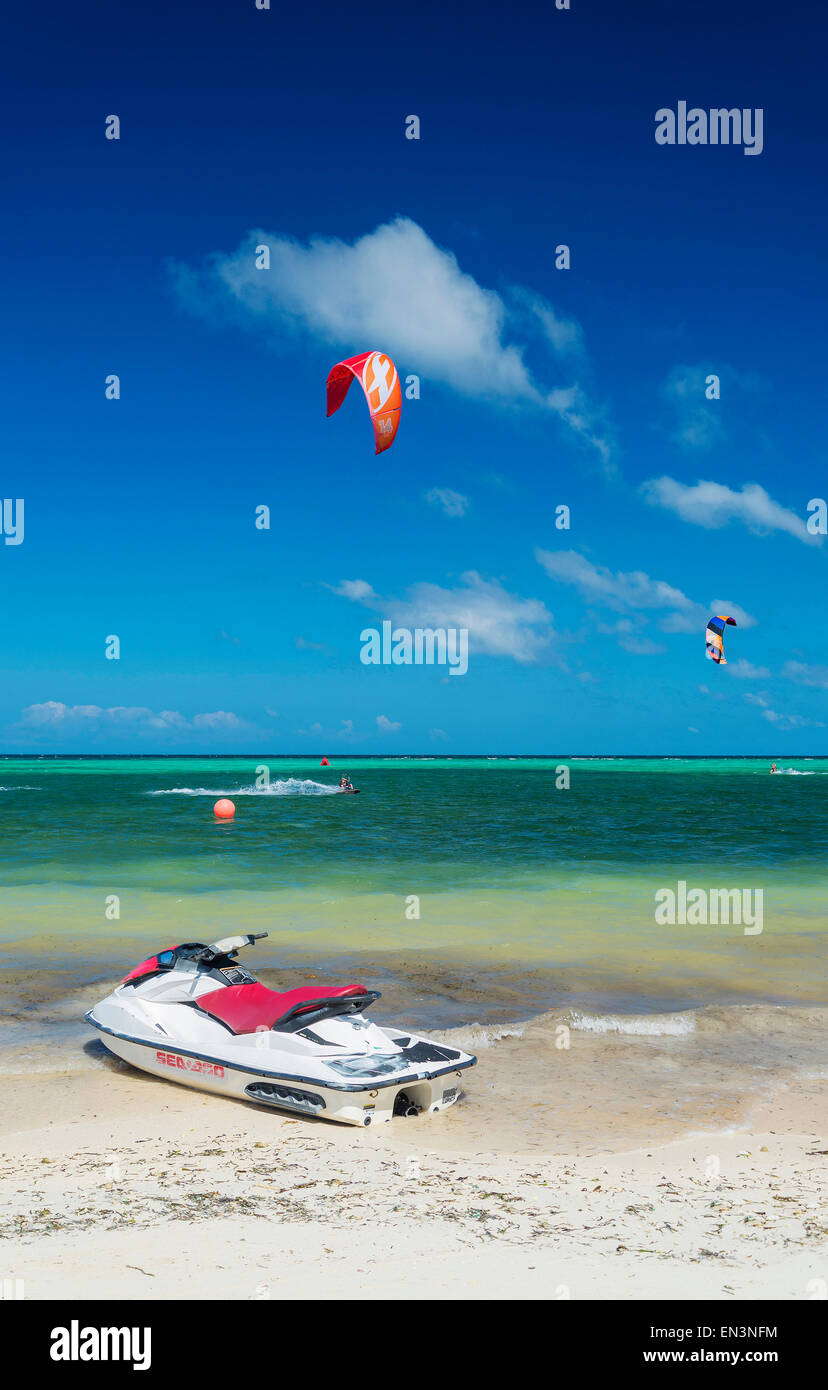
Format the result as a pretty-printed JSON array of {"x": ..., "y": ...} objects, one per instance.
[
  {"x": 698, "y": 421},
  {"x": 713, "y": 505},
  {"x": 452, "y": 503},
  {"x": 744, "y": 670},
  {"x": 630, "y": 637},
  {"x": 791, "y": 721},
  {"x": 782, "y": 722},
  {"x": 617, "y": 590},
  {"x": 564, "y": 334},
  {"x": 634, "y": 591},
  {"x": 166, "y": 718},
  {"x": 220, "y": 719},
  {"x": 499, "y": 623},
  {"x": 387, "y": 726},
  {"x": 803, "y": 674},
  {"x": 53, "y": 714},
  {"x": 394, "y": 288},
  {"x": 358, "y": 590},
  {"x": 438, "y": 734}
]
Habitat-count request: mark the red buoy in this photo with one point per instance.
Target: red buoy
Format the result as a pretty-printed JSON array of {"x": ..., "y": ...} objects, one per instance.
[
  {"x": 224, "y": 809},
  {"x": 324, "y": 763}
]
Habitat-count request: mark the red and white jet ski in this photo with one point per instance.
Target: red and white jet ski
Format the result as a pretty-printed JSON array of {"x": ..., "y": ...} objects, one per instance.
[{"x": 193, "y": 1014}]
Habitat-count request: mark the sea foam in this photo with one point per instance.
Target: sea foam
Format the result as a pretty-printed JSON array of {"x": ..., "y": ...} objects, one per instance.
[
  {"x": 475, "y": 1036},
  {"x": 291, "y": 786},
  {"x": 652, "y": 1025}
]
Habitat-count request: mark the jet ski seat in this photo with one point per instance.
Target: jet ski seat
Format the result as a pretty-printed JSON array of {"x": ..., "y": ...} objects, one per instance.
[{"x": 252, "y": 1007}]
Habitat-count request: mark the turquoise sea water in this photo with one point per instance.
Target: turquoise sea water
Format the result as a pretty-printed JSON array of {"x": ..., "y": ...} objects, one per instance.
[
  {"x": 458, "y": 823},
  {"x": 509, "y": 870},
  {"x": 477, "y": 894}
]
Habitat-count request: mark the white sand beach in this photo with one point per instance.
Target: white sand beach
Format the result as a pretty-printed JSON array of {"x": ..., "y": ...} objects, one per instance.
[{"x": 118, "y": 1186}]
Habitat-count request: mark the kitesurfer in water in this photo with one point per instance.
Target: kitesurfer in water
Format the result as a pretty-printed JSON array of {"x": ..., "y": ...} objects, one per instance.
[
  {"x": 773, "y": 768},
  {"x": 345, "y": 783}
]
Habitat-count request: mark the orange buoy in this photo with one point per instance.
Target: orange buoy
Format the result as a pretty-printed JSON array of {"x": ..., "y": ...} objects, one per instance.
[
  {"x": 224, "y": 809},
  {"x": 324, "y": 763}
]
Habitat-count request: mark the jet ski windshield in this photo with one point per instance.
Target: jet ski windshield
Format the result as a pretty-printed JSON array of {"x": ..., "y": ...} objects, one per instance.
[{"x": 229, "y": 945}]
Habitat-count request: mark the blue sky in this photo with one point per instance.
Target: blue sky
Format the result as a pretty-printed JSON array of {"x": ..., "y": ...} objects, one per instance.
[{"x": 539, "y": 387}]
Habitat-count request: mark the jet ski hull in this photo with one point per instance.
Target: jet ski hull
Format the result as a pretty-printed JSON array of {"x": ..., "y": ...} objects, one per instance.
[{"x": 418, "y": 1088}]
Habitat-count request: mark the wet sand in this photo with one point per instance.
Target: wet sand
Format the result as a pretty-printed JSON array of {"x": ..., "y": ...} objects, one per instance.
[{"x": 564, "y": 1080}]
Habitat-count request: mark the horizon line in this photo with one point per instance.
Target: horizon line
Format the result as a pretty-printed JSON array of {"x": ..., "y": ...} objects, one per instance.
[{"x": 352, "y": 757}]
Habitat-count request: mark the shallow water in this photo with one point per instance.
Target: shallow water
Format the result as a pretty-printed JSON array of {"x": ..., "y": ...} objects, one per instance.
[{"x": 495, "y": 859}]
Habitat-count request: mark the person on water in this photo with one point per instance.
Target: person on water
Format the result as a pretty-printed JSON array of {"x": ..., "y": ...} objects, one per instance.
[
  {"x": 345, "y": 783},
  {"x": 773, "y": 769}
]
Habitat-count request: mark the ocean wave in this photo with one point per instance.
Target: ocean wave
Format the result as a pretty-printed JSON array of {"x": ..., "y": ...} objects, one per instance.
[
  {"x": 19, "y": 789},
  {"x": 795, "y": 772},
  {"x": 291, "y": 786},
  {"x": 650, "y": 1025},
  {"x": 474, "y": 1036}
]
